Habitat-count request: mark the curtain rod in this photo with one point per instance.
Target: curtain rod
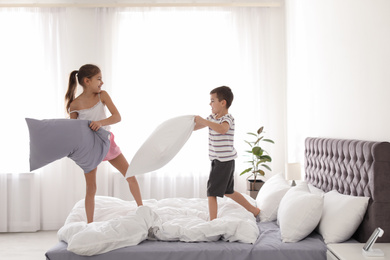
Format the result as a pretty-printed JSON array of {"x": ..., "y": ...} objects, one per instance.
[{"x": 94, "y": 5}]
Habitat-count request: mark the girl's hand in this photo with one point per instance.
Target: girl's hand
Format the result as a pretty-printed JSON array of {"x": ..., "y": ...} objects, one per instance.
[{"x": 95, "y": 125}]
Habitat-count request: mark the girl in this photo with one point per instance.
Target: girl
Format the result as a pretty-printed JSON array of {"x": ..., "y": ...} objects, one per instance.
[{"x": 89, "y": 105}]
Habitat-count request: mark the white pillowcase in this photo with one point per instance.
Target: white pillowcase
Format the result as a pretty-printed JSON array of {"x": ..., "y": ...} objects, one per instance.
[
  {"x": 341, "y": 216},
  {"x": 299, "y": 213},
  {"x": 270, "y": 195},
  {"x": 315, "y": 190},
  {"x": 162, "y": 145}
]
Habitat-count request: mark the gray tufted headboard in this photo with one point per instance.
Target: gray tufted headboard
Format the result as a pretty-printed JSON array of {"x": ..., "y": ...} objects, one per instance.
[{"x": 354, "y": 167}]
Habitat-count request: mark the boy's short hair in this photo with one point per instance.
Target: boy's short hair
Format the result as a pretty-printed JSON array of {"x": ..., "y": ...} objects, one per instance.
[{"x": 224, "y": 93}]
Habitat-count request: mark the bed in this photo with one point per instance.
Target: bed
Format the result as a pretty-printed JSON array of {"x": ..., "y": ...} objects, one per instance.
[
  {"x": 354, "y": 167},
  {"x": 350, "y": 167}
]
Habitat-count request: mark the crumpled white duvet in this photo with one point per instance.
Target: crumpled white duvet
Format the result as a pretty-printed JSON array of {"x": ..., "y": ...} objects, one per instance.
[{"x": 120, "y": 223}]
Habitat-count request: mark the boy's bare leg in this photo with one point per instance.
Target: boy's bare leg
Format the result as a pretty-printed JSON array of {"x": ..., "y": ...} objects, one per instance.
[
  {"x": 90, "y": 179},
  {"x": 121, "y": 164},
  {"x": 213, "y": 207},
  {"x": 237, "y": 197}
]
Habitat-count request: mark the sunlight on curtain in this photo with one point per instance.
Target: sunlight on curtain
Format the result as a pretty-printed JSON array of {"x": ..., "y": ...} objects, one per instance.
[
  {"x": 29, "y": 75},
  {"x": 166, "y": 62},
  {"x": 157, "y": 63},
  {"x": 22, "y": 70},
  {"x": 29, "y": 51}
]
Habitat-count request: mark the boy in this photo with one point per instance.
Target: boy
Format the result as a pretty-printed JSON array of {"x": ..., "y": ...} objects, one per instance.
[{"x": 221, "y": 151}]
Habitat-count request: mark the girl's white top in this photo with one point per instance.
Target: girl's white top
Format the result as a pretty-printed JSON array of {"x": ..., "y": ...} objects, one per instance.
[{"x": 95, "y": 113}]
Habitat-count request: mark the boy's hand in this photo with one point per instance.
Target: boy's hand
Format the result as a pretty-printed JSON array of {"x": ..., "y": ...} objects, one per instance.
[
  {"x": 222, "y": 128},
  {"x": 199, "y": 122}
]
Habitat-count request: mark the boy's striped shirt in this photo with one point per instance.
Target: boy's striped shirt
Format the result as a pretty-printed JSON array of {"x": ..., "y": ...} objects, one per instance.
[{"x": 221, "y": 146}]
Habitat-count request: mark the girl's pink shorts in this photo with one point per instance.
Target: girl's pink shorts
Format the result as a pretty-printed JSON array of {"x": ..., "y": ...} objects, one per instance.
[{"x": 114, "y": 150}]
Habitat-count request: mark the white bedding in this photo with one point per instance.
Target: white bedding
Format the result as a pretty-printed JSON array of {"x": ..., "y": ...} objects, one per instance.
[{"x": 120, "y": 223}]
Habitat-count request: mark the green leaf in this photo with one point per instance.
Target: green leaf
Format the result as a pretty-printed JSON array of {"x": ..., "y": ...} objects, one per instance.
[
  {"x": 261, "y": 172},
  {"x": 250, "y": 143},
  {"x": 266, "y": 158},
  {"x": 268, "y": 140},
  {"x": 245, "y": 171},
  {"x": 266, "y": 166},
  {"x": 257, "y": 151},
  {"x": 252, "y": 134},
  {"x": 261, "y": 161}
]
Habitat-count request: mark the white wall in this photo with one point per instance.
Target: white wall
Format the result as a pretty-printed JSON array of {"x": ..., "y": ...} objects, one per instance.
[{"x": 338, "y": 71}]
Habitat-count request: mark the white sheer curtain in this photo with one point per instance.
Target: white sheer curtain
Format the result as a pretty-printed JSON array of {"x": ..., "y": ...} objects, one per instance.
[
  {"x": 165, "y": 61},
  {"x": 157, "y": 63},
  {"x": 30, "y": 51}
]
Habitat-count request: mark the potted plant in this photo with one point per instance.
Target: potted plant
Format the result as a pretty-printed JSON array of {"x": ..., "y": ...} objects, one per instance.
[{"x": 259, "y": 160}]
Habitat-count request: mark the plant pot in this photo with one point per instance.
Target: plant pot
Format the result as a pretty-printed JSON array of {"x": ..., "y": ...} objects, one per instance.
[{"x": 253, "y": 187}]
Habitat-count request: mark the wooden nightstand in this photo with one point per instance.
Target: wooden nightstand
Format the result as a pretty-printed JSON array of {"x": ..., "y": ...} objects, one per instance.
[{"x": 353, "y": 251}]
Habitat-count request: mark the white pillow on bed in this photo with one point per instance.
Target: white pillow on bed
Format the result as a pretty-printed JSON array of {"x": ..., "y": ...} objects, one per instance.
[
  {"x": 299, "y": 213},
  {"x": 313, "y": 189},
  {"x": 162, "y": 145},
  {"x": 341, "y": 216},
  {"x": 270, "y": 195}
]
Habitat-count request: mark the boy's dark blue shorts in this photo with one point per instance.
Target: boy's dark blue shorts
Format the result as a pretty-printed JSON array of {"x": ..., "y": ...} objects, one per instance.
[{"x": 221, "y": 179}]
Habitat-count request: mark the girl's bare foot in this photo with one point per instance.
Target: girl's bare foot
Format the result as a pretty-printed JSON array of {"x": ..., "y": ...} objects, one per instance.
[{"x": 257, "y": 216}]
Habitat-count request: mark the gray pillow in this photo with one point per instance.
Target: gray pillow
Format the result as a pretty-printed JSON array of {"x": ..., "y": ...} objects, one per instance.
[{"x": 53, "y": 139}]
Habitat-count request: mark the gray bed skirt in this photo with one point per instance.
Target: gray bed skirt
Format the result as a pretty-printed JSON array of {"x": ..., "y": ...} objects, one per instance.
[{"x": 267, "y": 247}]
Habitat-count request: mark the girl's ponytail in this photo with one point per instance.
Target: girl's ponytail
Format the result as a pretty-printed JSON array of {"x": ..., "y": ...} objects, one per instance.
[
  {"x": 72, "y": 86},
  {"x": 85, "y": 71}
]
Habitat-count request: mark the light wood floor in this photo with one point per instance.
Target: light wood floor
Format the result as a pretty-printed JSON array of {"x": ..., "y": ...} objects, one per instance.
[{"x": 26, "y": 246}]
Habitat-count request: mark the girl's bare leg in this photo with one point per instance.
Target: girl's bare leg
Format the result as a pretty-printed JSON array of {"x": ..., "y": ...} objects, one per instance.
[
  {"x": 90, "y": 179},
  {"x": 237, "y": 197},
  {"x": 213, "y": 207},
  {"x": 121, "y": 164}
]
